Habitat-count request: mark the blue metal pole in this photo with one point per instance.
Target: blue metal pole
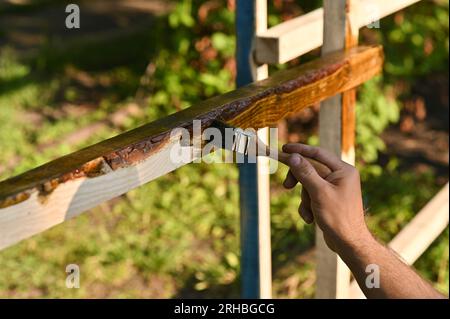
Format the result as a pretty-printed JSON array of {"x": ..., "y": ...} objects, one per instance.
[{"x": 248, "y": 174}]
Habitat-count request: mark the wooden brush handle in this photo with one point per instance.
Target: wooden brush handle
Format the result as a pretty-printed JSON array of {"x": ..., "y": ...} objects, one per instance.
[
  {"x": 321, "y": 169},
  {"x": 283, "y": 157}
]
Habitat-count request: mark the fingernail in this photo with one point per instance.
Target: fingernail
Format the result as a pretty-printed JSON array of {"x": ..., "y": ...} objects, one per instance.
[{"x": 295, "y": 160}]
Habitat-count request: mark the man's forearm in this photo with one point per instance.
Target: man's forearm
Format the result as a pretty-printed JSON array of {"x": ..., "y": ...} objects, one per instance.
[
  {"x": 335, "y": 204},
  {"x": 396, "y": 279}
]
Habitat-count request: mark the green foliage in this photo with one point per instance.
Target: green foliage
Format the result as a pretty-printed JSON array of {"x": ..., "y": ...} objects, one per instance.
[
  {"x": 10, "y": 70},
  {"x": 224, "y": 44},
  {"x": 375, "y": 111},
  {"x": 417, "y": 43},
  {"x": 182, "y": 15},
  {"x": 177, "y": 82}
]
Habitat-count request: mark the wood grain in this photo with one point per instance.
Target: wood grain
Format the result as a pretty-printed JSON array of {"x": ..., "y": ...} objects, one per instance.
[
  {"x": 60, "y": 189},
  {"x": 263, "y": 178},
  {"x": 290, "y": 39},
  {"x": 336, "y": 133},
  {"x": 349, "y": 97}
]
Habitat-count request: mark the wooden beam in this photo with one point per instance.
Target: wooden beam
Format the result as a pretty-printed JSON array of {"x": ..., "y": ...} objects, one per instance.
[
  {"x": 67, "y": 186},
  {"x": 337, "y": 134},
  {"x": 367, "y": 11},
  {"x": 290, "y": 39},
  {"x": 414, "y": 239},
  {"x": 300, "y": 35},
  {"x": 332, "y": 275}
]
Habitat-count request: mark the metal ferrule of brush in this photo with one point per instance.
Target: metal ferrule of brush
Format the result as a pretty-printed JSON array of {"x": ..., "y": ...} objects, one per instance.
[
  {"x": 240, "y": 138},
  {"x": 241, "y": 141}
]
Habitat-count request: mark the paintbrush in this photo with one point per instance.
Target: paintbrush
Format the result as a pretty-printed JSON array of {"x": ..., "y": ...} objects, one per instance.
[{"x": 243, "y": 142}]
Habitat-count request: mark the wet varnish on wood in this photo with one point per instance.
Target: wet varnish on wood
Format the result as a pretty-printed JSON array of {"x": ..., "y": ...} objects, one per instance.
[{"x": 63, "y": 188}]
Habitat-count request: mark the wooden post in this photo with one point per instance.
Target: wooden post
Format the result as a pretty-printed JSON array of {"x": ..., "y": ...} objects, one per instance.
[
  {"x": 254, "y": 182},
  {"x": 261, "y": 72},
  {"x": 336, "y": 133}
]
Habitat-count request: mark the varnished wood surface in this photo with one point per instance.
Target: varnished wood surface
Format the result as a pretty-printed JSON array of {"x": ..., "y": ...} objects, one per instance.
[
  {"x": 61, "y": 189},
  {"x": 257, "y": 105}
]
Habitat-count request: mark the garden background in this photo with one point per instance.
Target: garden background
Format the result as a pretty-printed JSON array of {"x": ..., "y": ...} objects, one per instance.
[{"x": 134, "y": 61}]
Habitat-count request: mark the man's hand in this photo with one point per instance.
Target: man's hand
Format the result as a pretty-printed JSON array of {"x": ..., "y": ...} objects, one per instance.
[{"x": 334, "y": 202}]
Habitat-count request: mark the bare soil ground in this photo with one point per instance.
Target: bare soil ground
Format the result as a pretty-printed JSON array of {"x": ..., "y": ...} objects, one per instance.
[
  {"x": 421, "y": 139},
  {"x": 26, "y": 31}
]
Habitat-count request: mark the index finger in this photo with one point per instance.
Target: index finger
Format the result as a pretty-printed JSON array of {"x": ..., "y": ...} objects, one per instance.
[{"x": 317, "y": 153}]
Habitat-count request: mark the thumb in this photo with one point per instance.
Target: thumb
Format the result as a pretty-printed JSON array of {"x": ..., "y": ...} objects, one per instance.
[{"x": 305, "y": 173}]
